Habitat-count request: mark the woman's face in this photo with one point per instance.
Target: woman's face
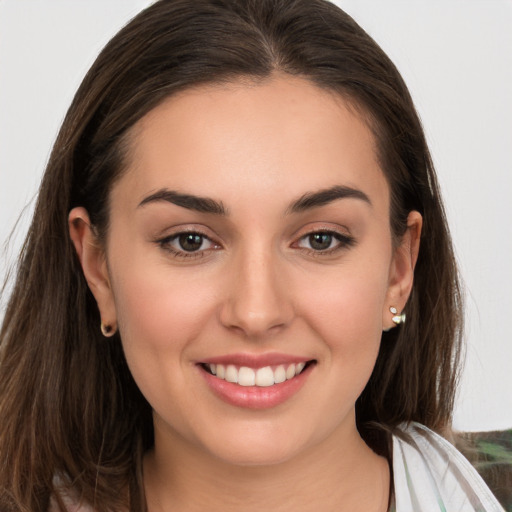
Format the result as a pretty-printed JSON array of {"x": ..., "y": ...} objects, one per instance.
[{"x": 250, "y": 236}]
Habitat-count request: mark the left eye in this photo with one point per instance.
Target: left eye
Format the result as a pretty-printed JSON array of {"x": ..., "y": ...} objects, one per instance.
[{"x": 323, "y": 241}]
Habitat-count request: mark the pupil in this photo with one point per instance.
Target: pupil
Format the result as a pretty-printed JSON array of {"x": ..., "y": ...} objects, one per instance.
[
  {"x": 320, "y": 241},
  {"x": 190, "y": 242}
]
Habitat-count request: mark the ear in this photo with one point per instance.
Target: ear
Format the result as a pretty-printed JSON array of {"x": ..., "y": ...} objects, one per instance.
[
  {"x": 401, "y": 274},
  {"x": 94, "y": 265}
]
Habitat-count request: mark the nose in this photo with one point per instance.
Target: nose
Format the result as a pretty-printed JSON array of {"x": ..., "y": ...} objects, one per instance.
[{"x": 256, "y": 299}]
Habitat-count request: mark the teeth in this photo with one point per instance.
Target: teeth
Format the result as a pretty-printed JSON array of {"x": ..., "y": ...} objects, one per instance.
[
  {"x": 262, "y": 377},
  {"x": 231, "y": 374},
  {"x": 279, "y": 374},
  {"x": 290, "y": 372},
  {"x": 246, "y": 376}
]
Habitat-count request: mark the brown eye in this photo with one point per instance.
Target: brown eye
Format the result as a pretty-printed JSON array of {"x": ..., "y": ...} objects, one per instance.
[
  {"x": 320, "y": 241},
  {"x": 190, "y": 242},
  {"x": 327, "y": 242},
  {"x": 187, "y": 244}
]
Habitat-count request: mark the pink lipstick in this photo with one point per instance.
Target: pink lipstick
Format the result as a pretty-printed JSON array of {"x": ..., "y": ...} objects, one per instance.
[{"x": 256, "y": 381}]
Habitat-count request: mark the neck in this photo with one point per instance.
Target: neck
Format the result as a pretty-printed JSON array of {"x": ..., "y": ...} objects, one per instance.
[{"x": 341, "y": 473}]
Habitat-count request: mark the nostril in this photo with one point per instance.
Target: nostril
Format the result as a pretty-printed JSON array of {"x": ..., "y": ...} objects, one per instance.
[{"x": 256, "y": 302}]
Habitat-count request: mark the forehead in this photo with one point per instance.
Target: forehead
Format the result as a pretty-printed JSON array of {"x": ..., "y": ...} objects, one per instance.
[{"x": 284, "y": 133}]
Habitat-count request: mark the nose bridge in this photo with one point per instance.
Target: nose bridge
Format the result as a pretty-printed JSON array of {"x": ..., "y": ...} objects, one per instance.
[{"x": 256, "y": 302}]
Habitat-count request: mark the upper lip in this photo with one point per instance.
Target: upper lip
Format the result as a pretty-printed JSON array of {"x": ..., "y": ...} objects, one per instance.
[{"x": 256, "y": 360}]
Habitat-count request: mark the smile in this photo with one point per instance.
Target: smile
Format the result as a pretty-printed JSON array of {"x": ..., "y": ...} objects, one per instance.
[
  {"x": 256, "y": 382},
  {"x": 262, "y": 377}
]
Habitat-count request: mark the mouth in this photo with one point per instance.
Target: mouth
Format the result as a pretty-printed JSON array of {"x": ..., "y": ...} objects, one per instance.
[
  {"x": 256, "y": 381},
  {"x": 264, "y": 377}
]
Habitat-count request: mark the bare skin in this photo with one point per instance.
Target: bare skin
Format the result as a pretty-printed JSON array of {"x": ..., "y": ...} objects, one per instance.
[
  {"x": 322, "y": 479},
  {"x": 269, "y": 273}
]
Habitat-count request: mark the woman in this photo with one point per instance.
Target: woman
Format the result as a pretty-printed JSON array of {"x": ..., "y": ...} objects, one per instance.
[{"x": 246, "y": 292}]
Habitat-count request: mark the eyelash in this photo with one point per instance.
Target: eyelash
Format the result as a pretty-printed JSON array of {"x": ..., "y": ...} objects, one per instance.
[
  {"x": 344, "y": 242},
  {"x": 165, "y": 243}
]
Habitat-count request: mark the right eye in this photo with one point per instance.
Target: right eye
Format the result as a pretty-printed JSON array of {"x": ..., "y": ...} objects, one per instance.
[{"x": 187, "y": 244}]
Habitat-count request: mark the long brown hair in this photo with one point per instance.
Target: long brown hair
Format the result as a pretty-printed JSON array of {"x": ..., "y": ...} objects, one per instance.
[{"x": 70, "y": 412}]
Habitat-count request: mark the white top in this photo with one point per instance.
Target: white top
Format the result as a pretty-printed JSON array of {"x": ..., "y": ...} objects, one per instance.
[{"x": 429, "y": 475}]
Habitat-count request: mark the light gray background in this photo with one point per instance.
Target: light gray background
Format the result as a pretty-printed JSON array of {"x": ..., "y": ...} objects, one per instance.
[{"x": 455, "y": 55}]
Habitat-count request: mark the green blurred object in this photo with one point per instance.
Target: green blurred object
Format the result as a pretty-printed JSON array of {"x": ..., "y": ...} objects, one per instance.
[{"x": 491, "y": 455}]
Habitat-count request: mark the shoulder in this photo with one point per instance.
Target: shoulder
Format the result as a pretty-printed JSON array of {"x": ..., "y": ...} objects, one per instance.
[{"x": 431, "y": 474}]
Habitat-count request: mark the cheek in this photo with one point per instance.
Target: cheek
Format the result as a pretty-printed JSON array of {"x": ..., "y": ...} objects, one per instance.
[
  {"x": 158, "y": 305},
  {"x": 160, "y": 315},
  {"x": 345, "y": 311},
  {"x": 160, "y": 312},
  {"x": 347, "y": 306}
]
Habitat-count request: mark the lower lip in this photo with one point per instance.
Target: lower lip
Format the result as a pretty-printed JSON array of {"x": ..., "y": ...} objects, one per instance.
[{"x": 256, "y": 397}]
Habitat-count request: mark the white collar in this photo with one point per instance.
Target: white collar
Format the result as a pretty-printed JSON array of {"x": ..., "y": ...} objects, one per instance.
[{"x": 430, "y": 475}]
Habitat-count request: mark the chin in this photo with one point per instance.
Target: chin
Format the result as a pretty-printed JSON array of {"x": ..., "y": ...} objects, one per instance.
[
  {"x": 255, "y": 457},
  {"x": 261, "y": 448}
]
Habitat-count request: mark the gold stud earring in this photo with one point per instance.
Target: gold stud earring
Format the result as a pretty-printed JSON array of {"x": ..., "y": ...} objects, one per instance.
[
  {"x": 397, "y": 318},
  {"x": 107, "y": 330}
]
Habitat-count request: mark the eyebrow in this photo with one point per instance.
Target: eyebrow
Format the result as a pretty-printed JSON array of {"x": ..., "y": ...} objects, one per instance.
[
  {"x": 208, "y": 205},
  {"x": 322, "y": 197},
  {"x": 189, "y": 201}
]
